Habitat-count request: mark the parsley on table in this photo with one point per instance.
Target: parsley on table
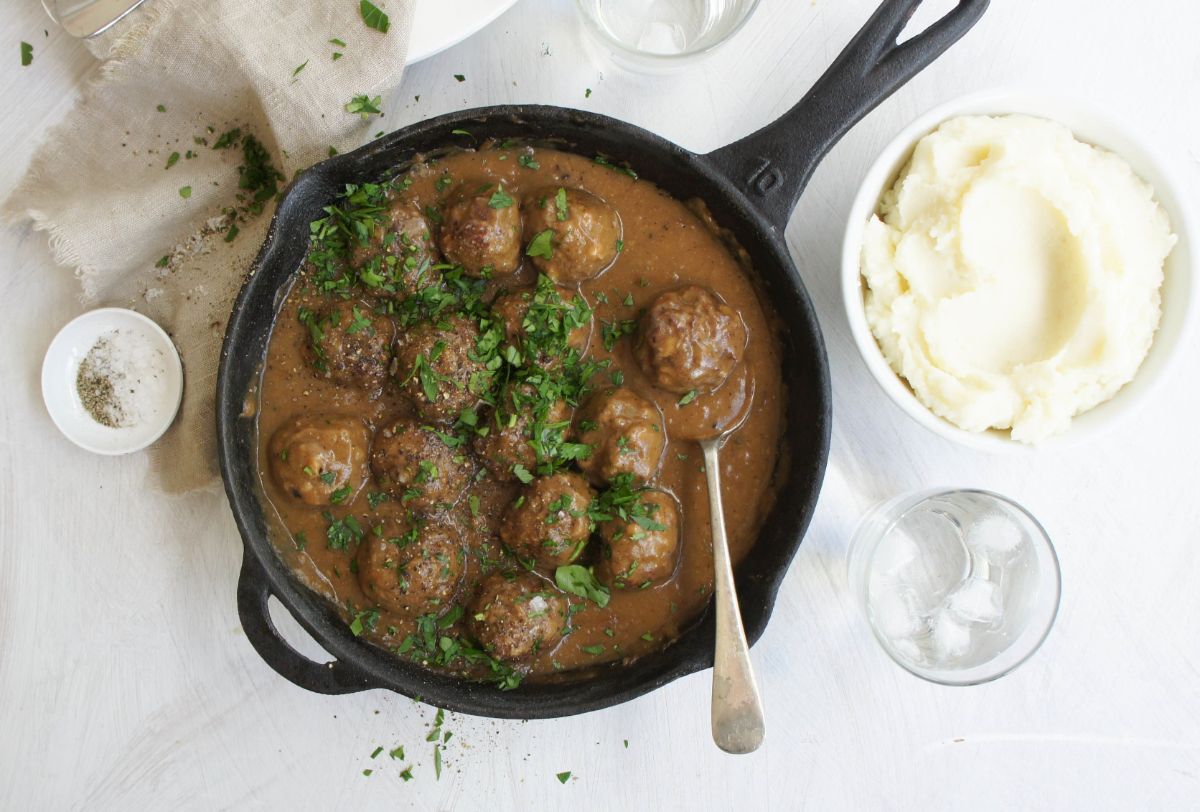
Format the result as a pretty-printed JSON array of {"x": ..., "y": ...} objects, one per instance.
[
  {"x": 228, "y": 138},
  {"x": 26, "y": 54},
  {"x": 300, "y": 67},
  {"x": 172, "y": 160},
  {"x": 460, "y": 77},
  {"x": 162, "y": 108},
  {"x": 185, "y": 192},
  {"x": 364, "y": 105},
  {"x": 373, "y": 16},
  {"x": 563, "y": 777}
]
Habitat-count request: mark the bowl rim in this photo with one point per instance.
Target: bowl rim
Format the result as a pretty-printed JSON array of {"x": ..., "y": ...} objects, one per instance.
[
  {"x": 98, "y": 321},
  {"x": 1140, "y": 151}
]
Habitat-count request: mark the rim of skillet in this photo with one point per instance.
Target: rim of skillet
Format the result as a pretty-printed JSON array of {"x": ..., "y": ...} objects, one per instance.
[{"x": 798, "y": 479}]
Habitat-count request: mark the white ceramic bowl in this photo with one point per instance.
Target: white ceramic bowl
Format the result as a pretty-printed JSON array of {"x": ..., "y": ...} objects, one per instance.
[
  {"x": 61, "y": 368},
  {"x": 1089, "y": 125}
]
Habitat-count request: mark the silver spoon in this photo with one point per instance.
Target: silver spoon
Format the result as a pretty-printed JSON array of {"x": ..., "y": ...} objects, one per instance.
[{"x": 737, "y": 712}]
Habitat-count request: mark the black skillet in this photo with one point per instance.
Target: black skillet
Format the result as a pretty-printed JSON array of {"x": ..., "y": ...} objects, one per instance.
[{"x": 751, "y": 187}]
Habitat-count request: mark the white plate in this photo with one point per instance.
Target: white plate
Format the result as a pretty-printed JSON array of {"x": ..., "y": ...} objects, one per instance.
[
  {"x": 438, "y": 24},
  {"x": 61, "y": 367}
]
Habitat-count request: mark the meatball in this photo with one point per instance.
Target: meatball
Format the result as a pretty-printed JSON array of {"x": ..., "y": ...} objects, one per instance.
[
  {"x": 414, "y": 466},
  {"x": 350, "y": 344},
  {"x": 438, "y": 370},
  {"x": 482, "y": 233},
  {"x": 398, "y": 258},
  {"x": 690, "y": 340},
  {"x": 515, "y": 615},
  {"x": 548, "y": 526},
  {"x": 410, "y": 567},
  {"x": 641, "y": 546},
  {"x": 584, "y": 233},
  {"x": 537, "y": 319},
  {"x": 320, "y": 460},
  {"x": 626, "y": 434},
  {"x": 522, "y": 430}
]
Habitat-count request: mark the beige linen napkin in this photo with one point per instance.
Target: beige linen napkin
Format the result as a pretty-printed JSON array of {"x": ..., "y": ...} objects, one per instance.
[{"x": 137, "y": 200}]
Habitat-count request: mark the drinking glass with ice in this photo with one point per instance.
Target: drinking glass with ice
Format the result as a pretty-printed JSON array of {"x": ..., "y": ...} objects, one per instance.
[{"x": 959, "y": 586}]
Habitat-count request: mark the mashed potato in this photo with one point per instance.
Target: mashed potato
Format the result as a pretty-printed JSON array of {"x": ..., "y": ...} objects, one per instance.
[{"x": 1013, "y": 274}]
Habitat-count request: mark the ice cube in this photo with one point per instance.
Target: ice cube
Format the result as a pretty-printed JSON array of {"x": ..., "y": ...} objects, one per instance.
[
  {"x": 895, "y": 553},
  {"x": 893, "y": 611},
  {"x": 950, "y": 639},
  {"x": 977, "y": 600},
  {"x": 996, "y": 535}
]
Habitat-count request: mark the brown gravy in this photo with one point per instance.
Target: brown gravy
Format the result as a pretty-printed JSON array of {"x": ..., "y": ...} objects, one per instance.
[{"x": 665, "y": 245}]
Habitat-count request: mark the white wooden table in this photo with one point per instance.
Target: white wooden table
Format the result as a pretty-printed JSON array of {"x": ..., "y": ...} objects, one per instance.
[{"x": 126, "y": 683}]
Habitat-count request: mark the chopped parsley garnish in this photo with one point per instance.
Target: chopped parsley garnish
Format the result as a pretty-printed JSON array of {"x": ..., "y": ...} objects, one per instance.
[
  {"x": 364, "y": 621},
  {"x": 339, "y": 496},
  {"x": 579, "y": 580},
  {"x": 172, "y": 160},
  {"x": 612, "y": 332},
  {"x": 342, "y": 532},
  {"x": 528, "y": 161},
  {"x": 228, "y": 139},
  {"x": 626, "y": 169},
  {"x": 521, "y": 473},
  {"x": 560, "y": 204},
  {"x": 595, "y": 651},
  {"x": 300, "y": 67},
  {"x": 364, "y": 105},
  {"x": 185, "y": 192},
  {"x": 26, "y": 54},
  {"x": 373, "y": 16},
  {"x": 459, "y": 77},
  {"x": 541, "y": 245},
  {"x": 500, "y": 199},
  {"x": 563, "y": 777},
  {"x": 338, "y": 42},
  {"x": 432, "y": 645},
  {"x": 162, "y": 108},
  {"x": 687, "y": 398}
]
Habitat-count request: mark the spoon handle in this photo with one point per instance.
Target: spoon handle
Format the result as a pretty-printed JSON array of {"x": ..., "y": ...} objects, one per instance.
[{"x": 737, "y": 713}]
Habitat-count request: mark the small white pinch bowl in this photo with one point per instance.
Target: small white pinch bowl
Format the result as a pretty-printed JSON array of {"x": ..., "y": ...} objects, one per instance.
[
  {"x": 1092, "y": 126},
  {"x": 60, "y": 369}
]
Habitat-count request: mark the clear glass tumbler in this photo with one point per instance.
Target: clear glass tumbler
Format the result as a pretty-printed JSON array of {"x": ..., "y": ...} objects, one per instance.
[
  {"x": 662, "y": 35},
  {"x": 959, "y": 586},
  {"x": 86, "y": 18}
]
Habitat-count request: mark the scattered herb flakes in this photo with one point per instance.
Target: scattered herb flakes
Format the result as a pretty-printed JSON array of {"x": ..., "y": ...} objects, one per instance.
[
  {"x": 172, "y": 160},
  {"x": 528, "y": 161},
  {"x": 185, "y": 192},
  {"x": 595, "y": 651},
  {"x": 541, "y": 245},
  {"x": 687, "y": 398},
  {"x": 162, "y": 108},
  {"x": 628, "y": 301},
  {"x": 437, "y": 762},
  {"x": 459, "y": 77},
  {"x": 376, "y": 752},
  {"x": 600, "y": 159},
  {"x": 364, "y": 621},
  {"x": 163, "y": 261},
  {"x": 500, "y": 199},
  {"x": 587, "y": 94},
  {"x": 580, "y": 580},
  {"x": 300, "y": 67},
  {"x": 373, "y": 16},
  {"x": 364, "y": 105},
  {"x": 339, "y": 43},
  {"x": 626, "y": 744},
  {"x": 397, "y": 753},
  {"x": 228, "y": 138},
  {"x": 649, "y": 638},
  {"x": 522, "y": 473},
  {"x": 406, "y": 774},
  {"x": 620, "y": 246},
  {"x": 336, "y": 55},
  {"x": 27, "y": 55},
  {"x": 332, "y": 151},
  {"x": 460, "y": 132},
  {"x": 367, "y": 772},
  {"x": 563, "y": 777},
  {"x": 232, "y": 233},
  {"x": 560, "y": 204}
]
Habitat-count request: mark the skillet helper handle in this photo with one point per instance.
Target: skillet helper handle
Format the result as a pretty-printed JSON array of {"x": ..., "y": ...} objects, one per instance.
[
  {"x": 322, "y": 678},
  {"x": 773, "y": 165}
]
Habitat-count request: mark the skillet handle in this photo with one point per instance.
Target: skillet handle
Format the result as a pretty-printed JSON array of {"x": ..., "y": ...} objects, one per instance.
[
  {"x": 773, "y": 165},
  {"x": 323, "y": 678}
]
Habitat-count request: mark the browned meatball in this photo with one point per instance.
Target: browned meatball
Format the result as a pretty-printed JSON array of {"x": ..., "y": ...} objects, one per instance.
[
  {"x": 408, "y": 566},
  {"x": 548, "y": 526},
  {"x": 537, "y": 319},
  {"x": 398, "y": 258},
  {"x": 414, "y": 466},
  {"x": 522, "y": 430},
  {"x": 640, "y": 545},
  {"x": 320, "y": 460},
  {"x": 437, "y": 367},
  {"x": 349, "y": 343},
  {"x": 690, "y": 340},
  {"x": 584, "y": 233},
  {"x": 626, "y": 434},
  {"x": 482, "y": 233},
  {"x": 515, "y": 615}
]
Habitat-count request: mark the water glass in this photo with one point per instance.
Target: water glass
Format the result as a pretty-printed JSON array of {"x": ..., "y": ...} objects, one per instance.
[{"x": 958, "y": 586}]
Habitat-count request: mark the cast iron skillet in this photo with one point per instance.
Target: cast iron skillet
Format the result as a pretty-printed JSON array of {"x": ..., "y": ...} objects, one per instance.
[{"x": 750, "y": 186}]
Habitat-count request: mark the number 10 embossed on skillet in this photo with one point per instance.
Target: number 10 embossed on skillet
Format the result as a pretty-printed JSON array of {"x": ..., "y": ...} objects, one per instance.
[{"x": 338, "y": 363}]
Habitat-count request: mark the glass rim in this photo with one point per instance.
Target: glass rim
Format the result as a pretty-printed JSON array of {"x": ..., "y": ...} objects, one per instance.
[
  {"x": 986, "y": 677},
  {"x": 598, "y": 31}
]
